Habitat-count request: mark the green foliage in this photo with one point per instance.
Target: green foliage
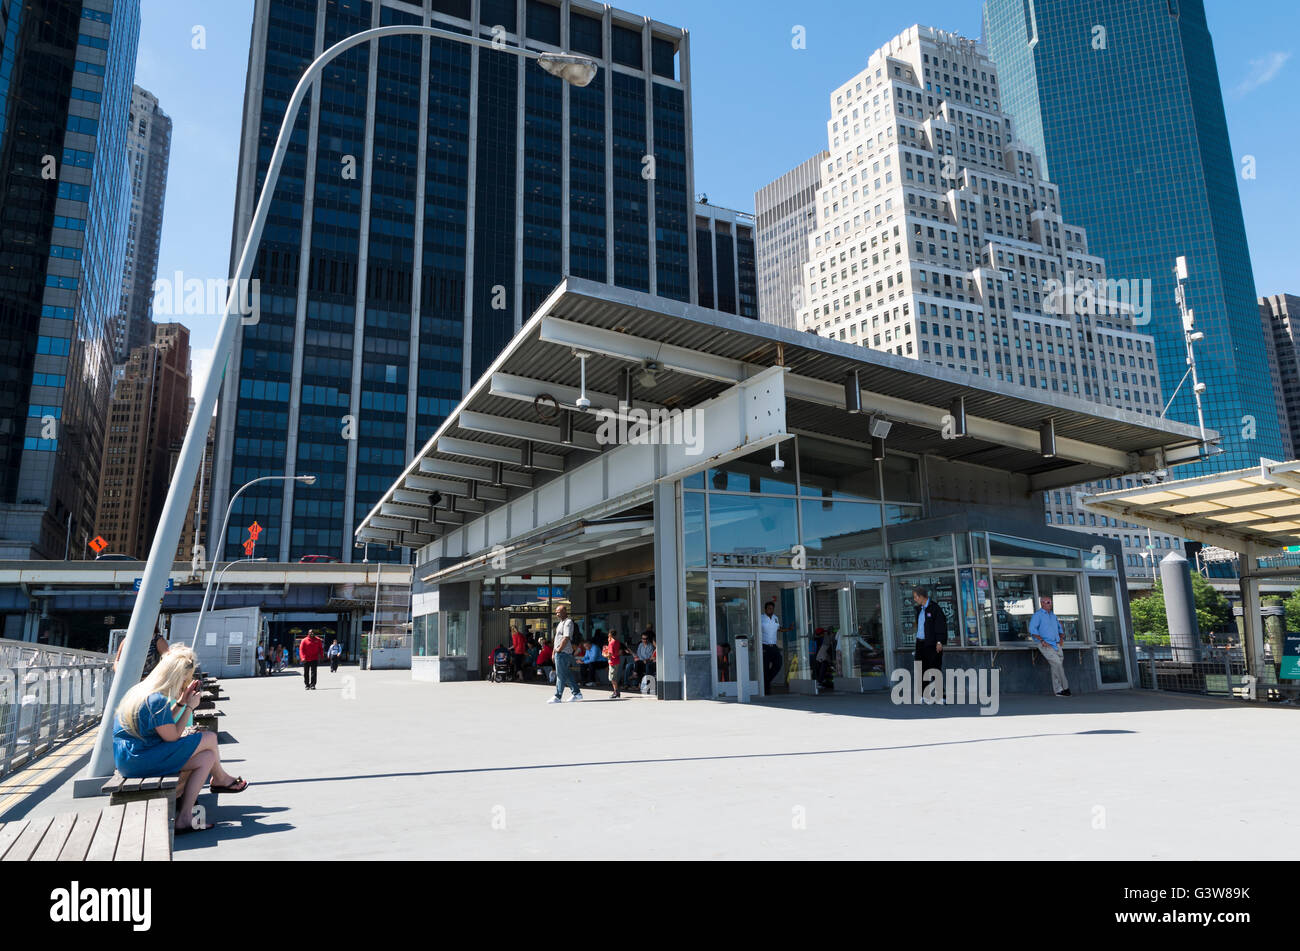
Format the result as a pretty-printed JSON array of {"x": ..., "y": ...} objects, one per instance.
[
  {"x": 1292, "y": 606},
  {"x": 1213, "y": 610}
]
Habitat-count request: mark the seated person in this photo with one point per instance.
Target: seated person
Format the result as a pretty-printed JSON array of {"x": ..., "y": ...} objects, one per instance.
[
  {"x": 149, "y": 741},
  {"x": 589, "y": 660},
  {"x": 545, "y": 654},
  {"x": 645, "y": 657}
]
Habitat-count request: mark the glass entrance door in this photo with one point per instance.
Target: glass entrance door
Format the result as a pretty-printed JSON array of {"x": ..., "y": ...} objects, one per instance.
[
  {"x": 1108, "y": 631},
  {"x": 734, "y": 616},
  {"x": 863, "y": 650},
  {"x": 832, "y": 625}
]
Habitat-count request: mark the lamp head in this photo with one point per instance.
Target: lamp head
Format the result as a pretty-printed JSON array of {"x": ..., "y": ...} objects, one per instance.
[
  {"x": 576, "y": 70},
  {"x": 306, "y": 479}
]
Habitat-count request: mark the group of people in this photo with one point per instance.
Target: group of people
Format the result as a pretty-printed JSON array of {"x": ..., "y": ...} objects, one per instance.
[
  {"x": 576, "y": 661},
  {"x": 311, "y": 651},
  {"x": 931, "y": 626}
]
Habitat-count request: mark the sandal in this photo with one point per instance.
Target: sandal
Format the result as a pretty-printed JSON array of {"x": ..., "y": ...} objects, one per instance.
[{"x": 238, "y": 786}]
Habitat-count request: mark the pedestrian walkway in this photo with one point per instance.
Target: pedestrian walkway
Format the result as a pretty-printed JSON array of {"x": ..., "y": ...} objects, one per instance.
[{"x": 375, "y": 765}]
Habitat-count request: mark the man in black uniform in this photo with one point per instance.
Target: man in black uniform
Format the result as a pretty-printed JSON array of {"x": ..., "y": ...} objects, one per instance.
[{"x": 931, "y": 634}]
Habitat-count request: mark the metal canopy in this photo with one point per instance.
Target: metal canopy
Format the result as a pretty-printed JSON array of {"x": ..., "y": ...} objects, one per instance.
[
  {"x": 510, "y": 434},
  {"x": 1249, "y": 511}
]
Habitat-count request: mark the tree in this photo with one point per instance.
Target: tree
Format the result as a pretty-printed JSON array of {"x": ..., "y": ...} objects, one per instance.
[
  {"x": 1292, "y": 605},
  {"x": 1213, "y": 610}
]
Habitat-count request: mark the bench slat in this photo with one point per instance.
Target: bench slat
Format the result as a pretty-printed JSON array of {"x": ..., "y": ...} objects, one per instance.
[
  {"x": 9, "y": 833},
  {"x": 130, "y": 844},
  {"x": 27, "y": 842},
  {"x": 78, "y": 844},
  {"x": 57, "y": 834},
  {"x": 133, "y": 785},
  {"x": 157, "y": 832},
  {"x": 113, "y": 785},
  {"x": 104, "y": 844}
]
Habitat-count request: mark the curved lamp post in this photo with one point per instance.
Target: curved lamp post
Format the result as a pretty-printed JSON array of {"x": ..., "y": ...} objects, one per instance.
[
  {"x": 221, "y": 541},
  {"x": 217, "y": 591},
  {"x": 573, "y": 69}
]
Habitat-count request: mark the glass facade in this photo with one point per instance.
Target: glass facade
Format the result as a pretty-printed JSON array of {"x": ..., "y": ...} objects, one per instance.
[
  {"x": 1132, "y": 124},
  {"x": 407, "y": 281},
  {"x": 66, "y": 71}
]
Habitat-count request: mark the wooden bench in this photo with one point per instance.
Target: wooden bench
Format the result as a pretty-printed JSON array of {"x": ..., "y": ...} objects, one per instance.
[
  {"x": 207, "y": 719},
  {"x": 129, "y": 832},
  {"x": 121, "y": 791}
]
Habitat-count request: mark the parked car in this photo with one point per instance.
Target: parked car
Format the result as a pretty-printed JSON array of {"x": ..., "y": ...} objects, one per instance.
[
  {"x": 318, "y": 560},
  {"x": 115, "y": 557}
]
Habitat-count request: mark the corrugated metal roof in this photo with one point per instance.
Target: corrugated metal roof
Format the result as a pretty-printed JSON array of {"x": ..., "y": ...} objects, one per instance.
[{"x": 760, "y": 345}]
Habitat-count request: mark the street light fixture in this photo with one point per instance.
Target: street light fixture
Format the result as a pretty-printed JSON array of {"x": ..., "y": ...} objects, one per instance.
[
  {"x": 573, "y": 69},
  {"x": 221, "y": 541}
]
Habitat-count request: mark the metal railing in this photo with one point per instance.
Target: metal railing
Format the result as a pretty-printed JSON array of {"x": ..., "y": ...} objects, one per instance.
[
  {"x": 48, "y": 695},
  {"x": 1222, "y": 672}
]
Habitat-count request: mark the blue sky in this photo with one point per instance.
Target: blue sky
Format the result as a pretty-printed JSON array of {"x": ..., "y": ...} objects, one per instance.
[{"x": 760, "y": 106}]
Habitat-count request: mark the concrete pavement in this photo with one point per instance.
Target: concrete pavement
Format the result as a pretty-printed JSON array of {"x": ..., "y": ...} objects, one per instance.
[{"x": 374, "y": 765}]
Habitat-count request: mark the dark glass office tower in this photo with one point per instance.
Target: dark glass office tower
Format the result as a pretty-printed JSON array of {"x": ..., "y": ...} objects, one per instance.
[
  {"x": 433, "y": 196},
  {"x": 1123, "y": 100},
  {"x": 66, "y": 71}
]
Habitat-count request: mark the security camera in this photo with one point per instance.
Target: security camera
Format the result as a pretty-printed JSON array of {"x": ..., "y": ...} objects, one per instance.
[{"x": 778, "y": 465}]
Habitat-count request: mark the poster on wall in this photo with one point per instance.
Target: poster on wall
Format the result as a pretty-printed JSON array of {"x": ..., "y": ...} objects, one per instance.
[{"x": 969, "y": 617}]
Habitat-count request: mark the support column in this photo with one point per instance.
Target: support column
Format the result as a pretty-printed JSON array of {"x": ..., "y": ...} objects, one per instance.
[
  {"x": 1253, "y": 624},
  {"x": 474, "y": 630},
  {"x": 670, "y": 613}
]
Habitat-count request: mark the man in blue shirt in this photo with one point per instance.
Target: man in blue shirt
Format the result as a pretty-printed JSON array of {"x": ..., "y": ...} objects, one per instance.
[{"x": 1045, "y": 628}]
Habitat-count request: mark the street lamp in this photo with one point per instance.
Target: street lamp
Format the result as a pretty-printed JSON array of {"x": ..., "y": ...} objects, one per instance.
[
  {"x": 216, "y": 593},
  {"x": 221, "y": 541},
  {"x": 573, "y": 69}
]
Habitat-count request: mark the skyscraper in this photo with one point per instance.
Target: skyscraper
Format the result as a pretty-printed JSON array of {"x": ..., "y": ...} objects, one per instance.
[
  {"x": 149, "y": 145},
  {"x": 1280, "y": 316},
  {"x": 786, "y": 212},
  {"x": 1123, "y": 101},
  {"x": 724, "y": 242},
  {"x": 434, "y": 195},
  {"x": 939, "y": 237},
  {"x": 147, "y": 419},
  {"x": 66, "y": 68}
]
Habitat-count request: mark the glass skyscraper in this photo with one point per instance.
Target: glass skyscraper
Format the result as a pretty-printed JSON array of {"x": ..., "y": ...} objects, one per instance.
[
  {"x": 433, "y": 195},
  {"x": 1123, "y": 101},
  {"x": 66, "y": 72}
]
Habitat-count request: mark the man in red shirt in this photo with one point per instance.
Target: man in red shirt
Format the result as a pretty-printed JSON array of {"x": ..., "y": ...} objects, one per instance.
[{"x": 309, "y": 652}]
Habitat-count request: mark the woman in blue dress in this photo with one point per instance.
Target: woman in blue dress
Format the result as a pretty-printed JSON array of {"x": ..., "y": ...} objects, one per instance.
[{"x": 148, "y": 739}]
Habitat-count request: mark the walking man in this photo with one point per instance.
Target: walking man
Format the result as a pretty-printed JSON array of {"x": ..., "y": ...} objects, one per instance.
[
  {"x": 565, "y": 633},
  {"x": 931, "y": 634},
  {"x": 309, "y": 652},
  {"x": 770, "y": 630},
  {"x": 334, "y": 653},
  {"x": 1045, "y": 628}
]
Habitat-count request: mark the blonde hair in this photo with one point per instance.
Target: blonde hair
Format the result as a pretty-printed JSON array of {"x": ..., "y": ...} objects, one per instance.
[{"x": 173, "y": 674}]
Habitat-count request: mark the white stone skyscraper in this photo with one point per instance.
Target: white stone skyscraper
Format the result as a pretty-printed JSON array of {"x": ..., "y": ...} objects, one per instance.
[
  {"x": 939, "y": 238},
  {"x": 148, "y": 150}
]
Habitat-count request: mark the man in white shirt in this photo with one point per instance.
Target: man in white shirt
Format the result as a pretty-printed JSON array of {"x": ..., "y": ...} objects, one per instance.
[
  {"x": 565, "y": 630},
  {"x": 931, "y": 634},
  {"x": 1045, "y": 628},
  {"x": 770, "y": 629}
]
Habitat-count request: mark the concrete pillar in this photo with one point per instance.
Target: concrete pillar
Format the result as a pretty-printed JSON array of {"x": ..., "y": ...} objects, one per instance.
[
  {"x": 1274, "y": 612},
  {"x": 474, "y": 629},
  {"x": 670, "y": 612},
  {"x": 1180, "y": 608},
  {"x": 1253, "y": 638}
]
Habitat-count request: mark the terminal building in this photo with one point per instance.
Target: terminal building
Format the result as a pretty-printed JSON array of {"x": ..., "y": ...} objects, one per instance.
[{"x": 679, "y": 467}]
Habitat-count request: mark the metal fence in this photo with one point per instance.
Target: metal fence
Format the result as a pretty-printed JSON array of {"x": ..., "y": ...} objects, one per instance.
[
  {"x": 47, "y": 696},
  {"x": 1221, "y": 672}
]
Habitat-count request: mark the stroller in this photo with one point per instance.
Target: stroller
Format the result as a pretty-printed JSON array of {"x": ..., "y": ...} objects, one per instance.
[{"x": 503, "y": 666}]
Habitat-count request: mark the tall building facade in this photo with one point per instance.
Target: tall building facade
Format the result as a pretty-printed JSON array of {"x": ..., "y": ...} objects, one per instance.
[
  {"x": 1149, "y": 184},
  {"x": 66, "y": 70},
  {"x": 1280, "y": 316},
  {"x": 939, "y": 237},
  {"x": 148, "y": 153},
  {"x": 726, "y": 275},
  {"x": 147, "y": 419},
  {"x": 786, "y": 216},
  {"x": 435, "y": 194}
]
